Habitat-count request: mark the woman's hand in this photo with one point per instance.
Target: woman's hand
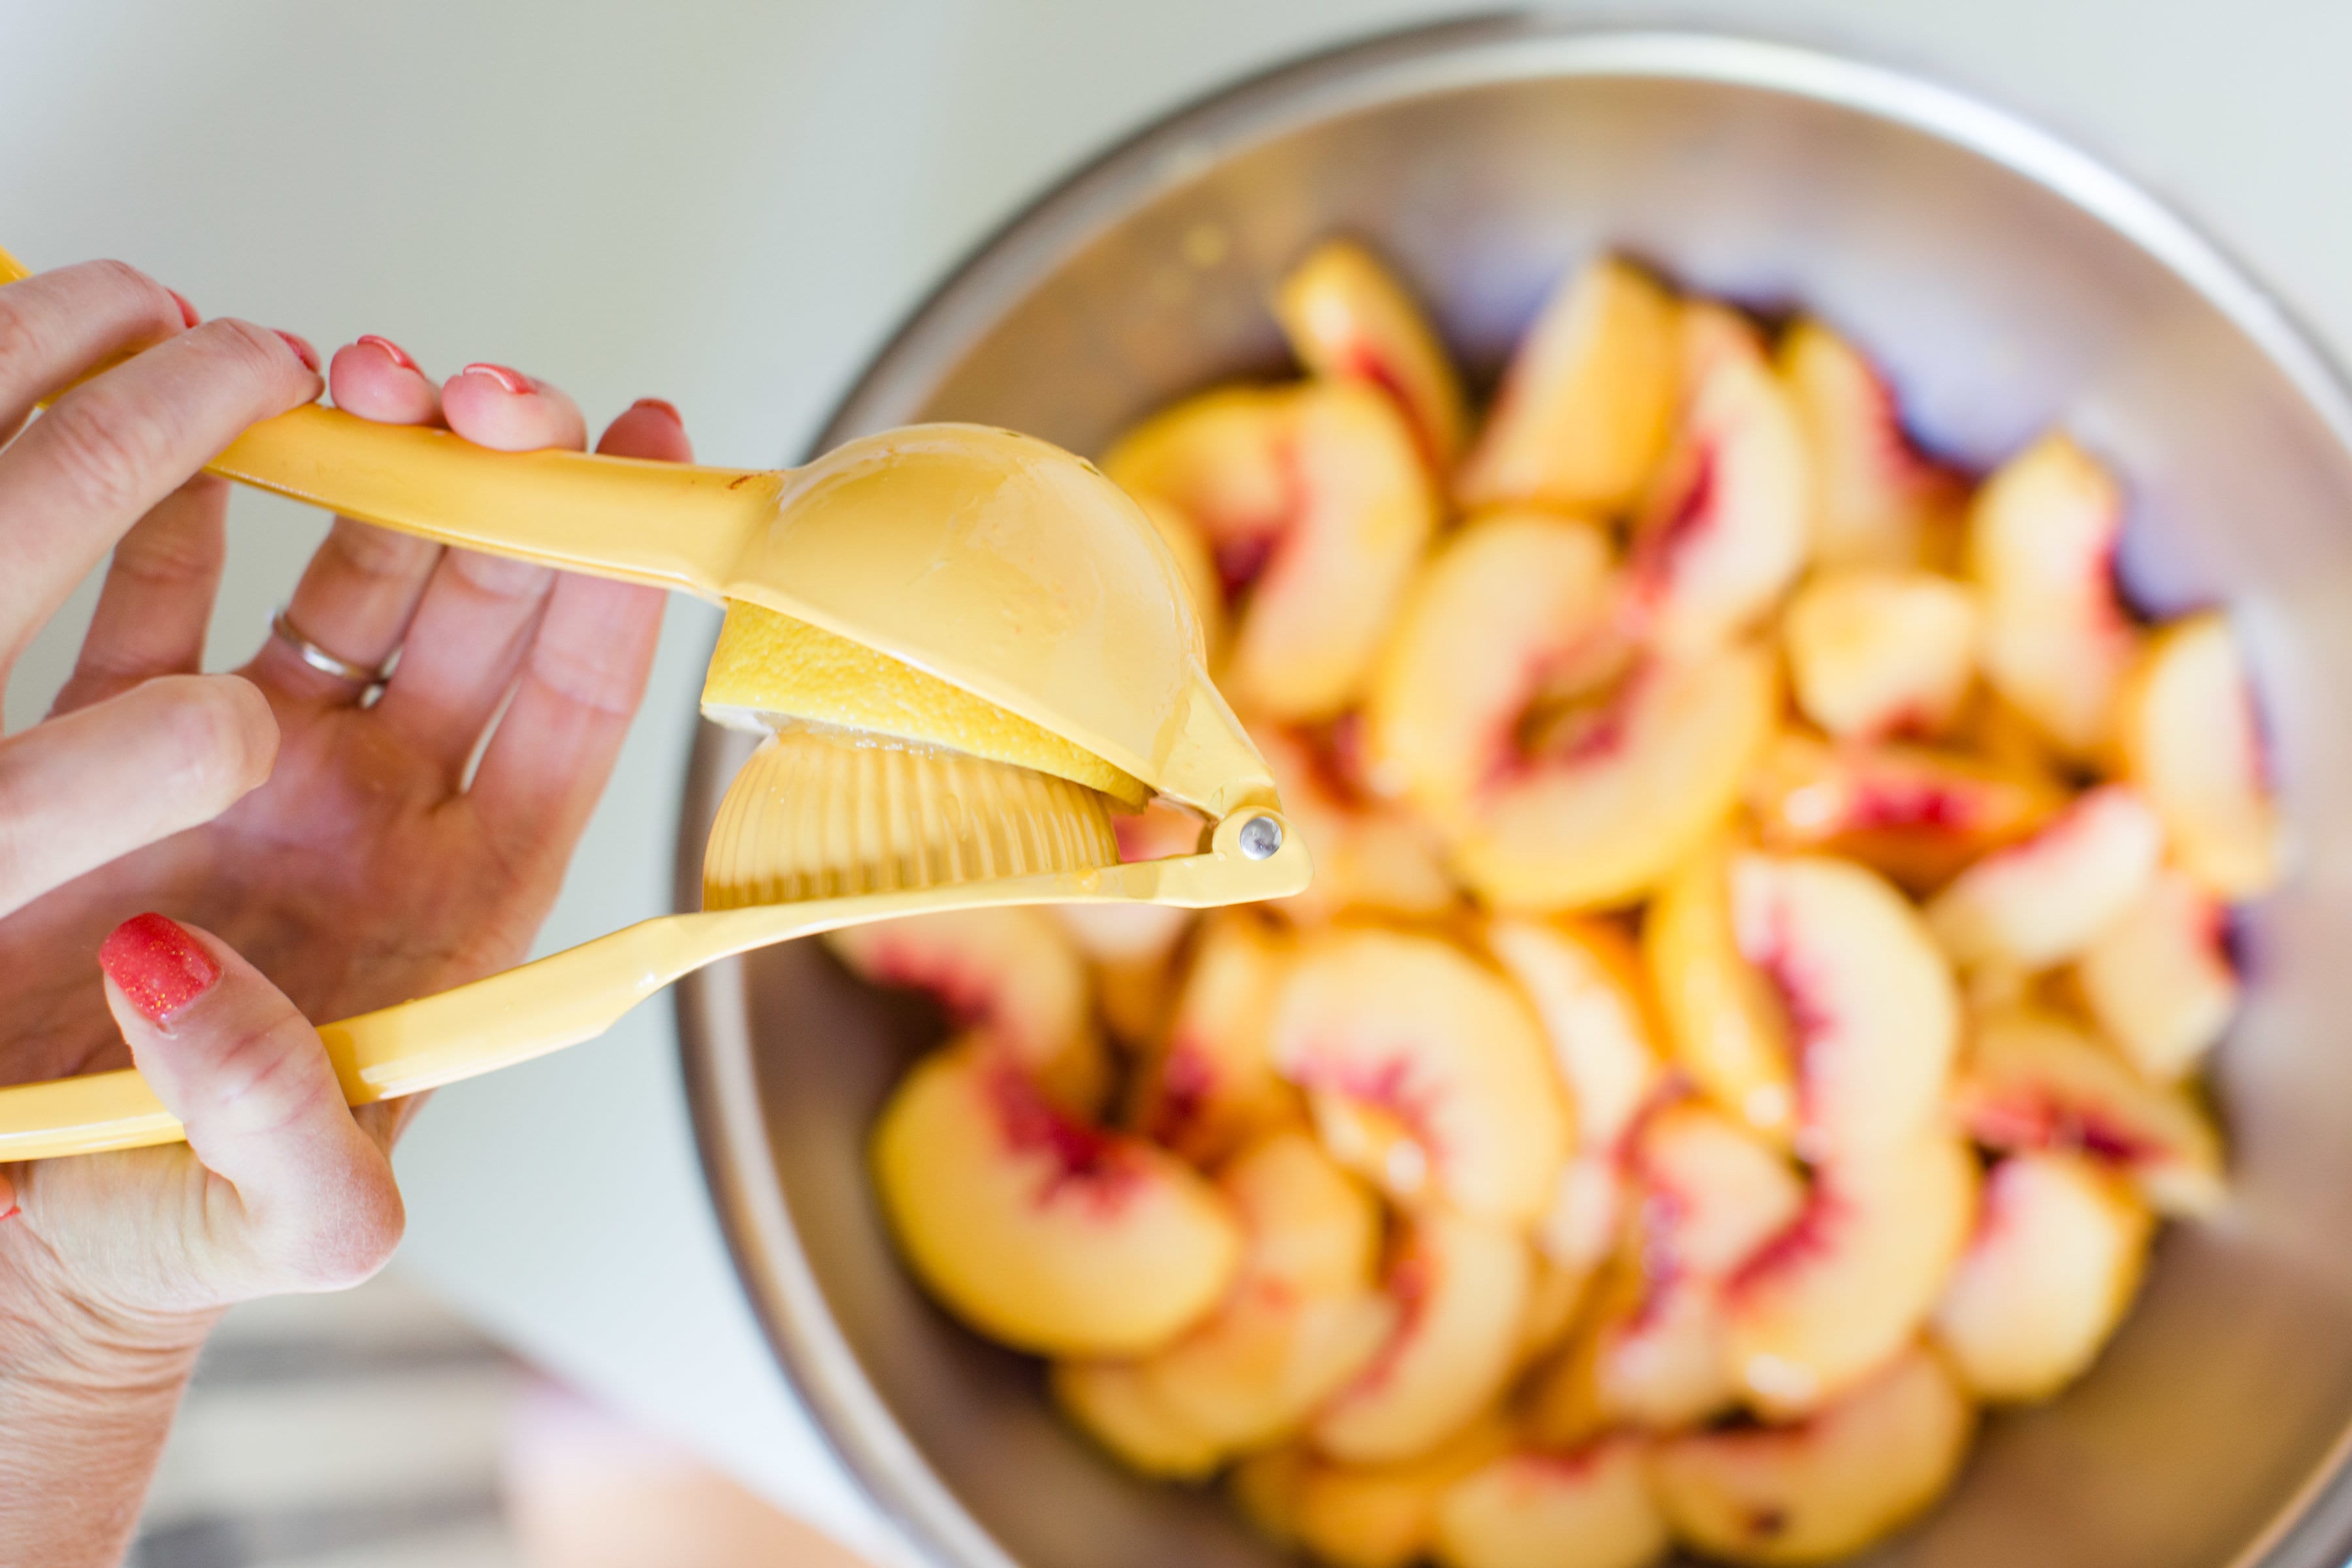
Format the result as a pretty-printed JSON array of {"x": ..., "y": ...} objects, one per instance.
[{"x": 390, "y": 852}]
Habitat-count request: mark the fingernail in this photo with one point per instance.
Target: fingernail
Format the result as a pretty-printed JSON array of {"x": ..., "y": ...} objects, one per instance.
[
  {"x": 514, "y": 381},
  {"x": 7, "y": 1199},
  {"x": 391, "y": 350},
  {"x": 660, "y": 406},
  {"x": 187, "y": 315},
  {"x": 157, "y": 964},
  {"x": 301, "y": 347}
]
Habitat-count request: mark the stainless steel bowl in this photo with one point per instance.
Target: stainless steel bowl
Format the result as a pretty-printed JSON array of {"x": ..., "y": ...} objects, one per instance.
[{"x": 2009, "y": 281}]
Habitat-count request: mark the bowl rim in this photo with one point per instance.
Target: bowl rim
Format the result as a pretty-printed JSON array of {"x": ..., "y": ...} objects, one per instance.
[{"x": 2311, "y": 1528}]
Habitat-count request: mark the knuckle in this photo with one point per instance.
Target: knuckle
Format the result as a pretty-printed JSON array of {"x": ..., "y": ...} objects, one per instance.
[
  {"x": 142, "y": 293},
  {"x": 254, "y": 355},
  {"x": 106, "y": 448},
  {"x": 22, "y": 339},
  {"x": 379, "y": 553}
]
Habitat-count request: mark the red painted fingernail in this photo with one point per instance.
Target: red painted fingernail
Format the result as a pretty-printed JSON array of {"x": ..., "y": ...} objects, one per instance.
[
  {"x": 188, "y": 315},
  {"x": 391, "y": 350},
  {"x": 8, "y": 1197},
  {"x": 157, "y": 964},
  {"x": 301, "y": 347},
  {"x": 514, "y": 381},
  {"x": 660, "y": 404}
]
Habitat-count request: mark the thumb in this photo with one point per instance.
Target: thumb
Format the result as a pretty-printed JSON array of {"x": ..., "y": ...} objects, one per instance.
[{"x": 309, "y": 1201}]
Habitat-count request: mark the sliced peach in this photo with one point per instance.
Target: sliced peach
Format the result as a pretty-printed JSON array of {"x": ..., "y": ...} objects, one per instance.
[
  {"x": 1347, "y": 317},
  {"x": 1873, "y": 651},
  {"x": 1557, "y": 1294},
  {"x": 1711, "y": 1193},
  {"x": 2059, "y": 1250},
  {"x": 2041, "y": 545},
  {"x": 1114, "y": 1404},
  {"x": 1370, "y": 854},
  {"x": 1584, "y": 979},
  {"x": 1040, "y": 1231},
  {"x": 1425, "y": 1070},
  {"x": 1461, "y": 1288},
  {"x": 1507, "y": 607},
  {"x": 1872, "y": 1011},
  {"x": 1877, "y": 502},
  {"x": 1382, "y": 1516},
  {"x": 1211, "y": 1083},
  {"x": 1266, "y": 1488},
  {"x": 2160, "y": 982},
  {"x": 1636, "y": 784},
  {"x": 1649, "y": 1355},
  {"x": 2043, "y": 899},
  {"x": 1585, "y": 407},
  {"x": 1591, "y": 1508},
  {"x": 2190, "y": 741},
  {"x": 1315, "y": 500},
  {"x": 1917, "y": 813},
  {"x": 1008, "y": 973},
  {"x": 1844, "y": 1288},
  {"x": 1724, "y": 531},
  {"x": 1585, "y": 982},
  {"x": 1136, "y": 935},
  {"x": 1806, "y": 997},
  {"x": 1724, "y": 1025},
  {"x": 2035, "y": 1080},
  {"x": 1852, "y": 1475},
  {"x": 1303, "y": 1317}
]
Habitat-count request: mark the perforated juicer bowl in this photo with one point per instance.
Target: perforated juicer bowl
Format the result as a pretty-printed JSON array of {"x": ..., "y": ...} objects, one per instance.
[{"x": 2007, "y": 282}]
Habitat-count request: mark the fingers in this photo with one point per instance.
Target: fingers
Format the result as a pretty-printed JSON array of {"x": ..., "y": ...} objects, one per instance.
[
  {"x": 57, "y": 326},
  {"x": 111, "y": 449},
  {"x": 544, "y": 769},
  {"x": 360, "y": 589},
  {"x": 475, "y": 621},
  {"x": 311, "y": 1203},
  {"x": 79, "y": 790},
  {"x": 158, "y": 596}
]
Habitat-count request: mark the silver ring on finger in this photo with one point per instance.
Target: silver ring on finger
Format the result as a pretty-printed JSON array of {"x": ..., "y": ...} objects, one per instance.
[{"x": 370, "y": 680}]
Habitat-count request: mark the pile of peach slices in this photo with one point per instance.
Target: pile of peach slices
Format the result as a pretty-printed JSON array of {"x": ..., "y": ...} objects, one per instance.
[{"x": 1770, "y": 909}]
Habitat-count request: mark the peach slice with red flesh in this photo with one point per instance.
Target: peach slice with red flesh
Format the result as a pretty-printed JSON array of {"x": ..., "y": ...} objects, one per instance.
[
  {"x": 2034, "y": 1081},
  {"x": 1839, "y": 1292},
  {"x": 1853, "y": 1474},
  {"x": 1588, "y": 401},
  {"x": 1874, "y": 652},
  {"x": 1584, "y": 979},
  {"x": 1040, "y": 1231},
  {"x": 1303, "y": 1317},
  {"x": 2190, "y": 741},
  {"x": 1711, "y": 1193},
  {"x": 1806, "y": 998},
  {"x": 1589, "y": 1509},
  {"x": 1425, "y": 1071},
  {"x": 2043, "y": 899},
  {"x": 1113, "y": 1402},
  {"x": 1876, "y": 500},
  {"x": 1917, "y": 813},
  {"x": 1211, "y": 1083},
  {"x": 2160, "y": 982},
  {"x": 1724, "y": 531},
  {"x": 1316, "y": 507},
  {"x": 1009, "y": 974},
  {"x": 1461, "y": 1292},
  {"x": 1871, "y": 1010},
  {"x": 1348, "y": 318},
  {"x": 2059, "y": 1250},
  {"x": 2057, "y": 643},
  {"x": 1369, "y": 854}
]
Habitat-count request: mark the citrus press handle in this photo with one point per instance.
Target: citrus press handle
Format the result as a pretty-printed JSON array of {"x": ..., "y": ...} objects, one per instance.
[{"x": 670, "y": 524}]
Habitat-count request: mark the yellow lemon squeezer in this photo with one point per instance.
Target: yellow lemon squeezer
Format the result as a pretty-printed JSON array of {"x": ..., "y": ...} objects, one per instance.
[{"x": 966, "y": 645}]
